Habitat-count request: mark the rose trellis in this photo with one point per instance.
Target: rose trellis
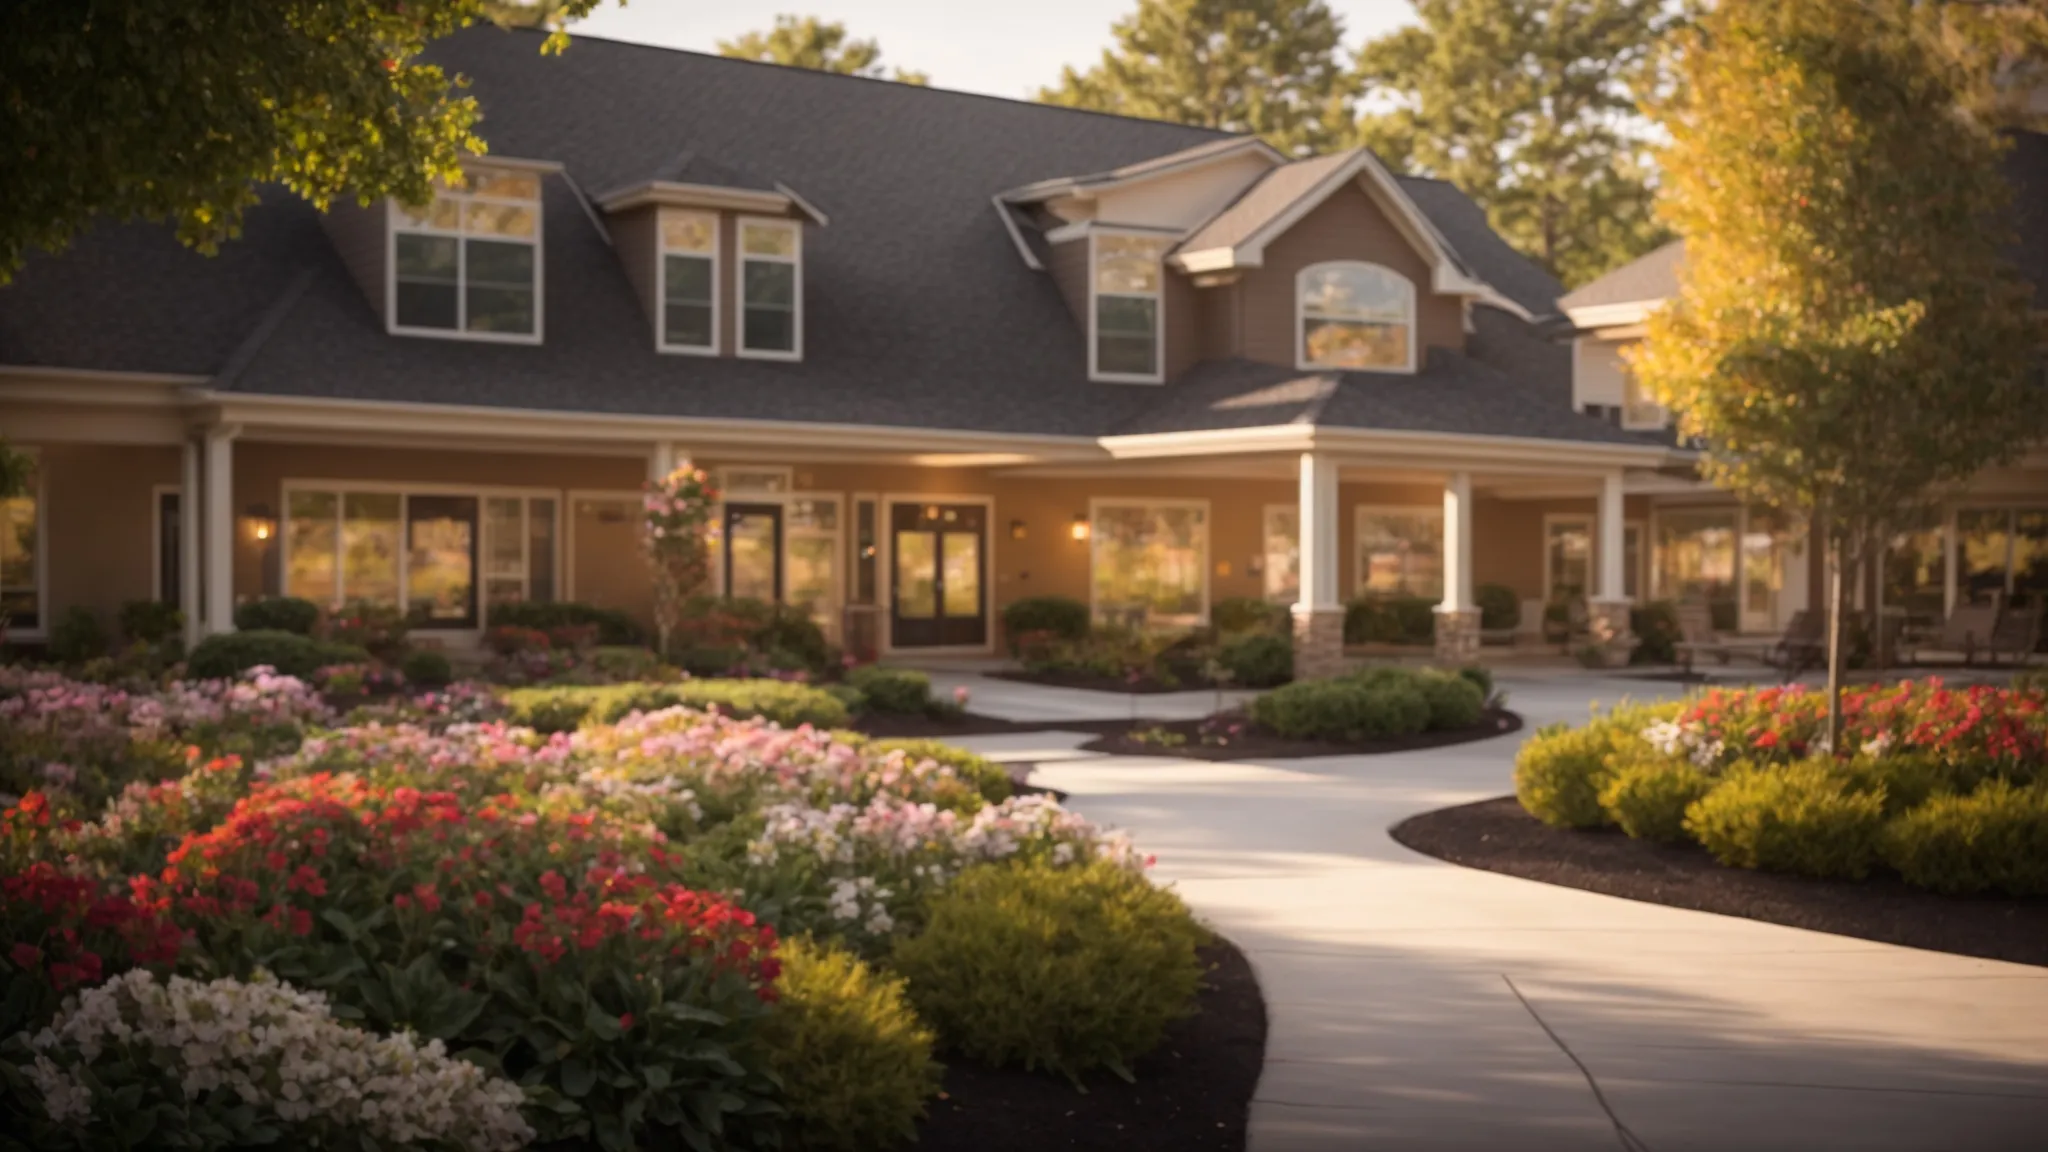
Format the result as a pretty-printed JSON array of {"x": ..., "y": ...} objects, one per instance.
[{"x": 677, "y": 531}]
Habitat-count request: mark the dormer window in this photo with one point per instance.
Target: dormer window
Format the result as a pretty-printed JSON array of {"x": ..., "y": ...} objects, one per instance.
[
  {"x": 771, "y": 289},
  {"x": 1355, "y": 316},
  {"x": 1124, "y": 343},
  {"x": 689, "y": 282},
  {"x": 468, "y": 264}
]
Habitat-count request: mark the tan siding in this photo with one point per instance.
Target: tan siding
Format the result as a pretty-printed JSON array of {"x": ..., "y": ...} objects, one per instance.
[
  {"x": 1183, "y": 323},
  {"x": 1347, "y": 226},
  {"x": 728, "y": 284},
  {"x": 359, "y": 237},
  {"x": 100, "y": 524},
  {"x": 1068, "y": 264},
  {"x": 636, "y": 238},
  {"x": 1217, "y": 310}
]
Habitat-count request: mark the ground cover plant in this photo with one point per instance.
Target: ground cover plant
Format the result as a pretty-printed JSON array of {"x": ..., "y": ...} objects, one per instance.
[
  {"x": 1946, "y": 787},
  {"x": 660, "y": 924}
]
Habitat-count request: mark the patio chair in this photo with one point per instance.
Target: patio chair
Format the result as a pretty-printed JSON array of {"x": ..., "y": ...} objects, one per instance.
[
  {"x": 1965, "y": 633},
  {"x": 2017, "y": 632},
  {"x": 1696, "y": 636}
]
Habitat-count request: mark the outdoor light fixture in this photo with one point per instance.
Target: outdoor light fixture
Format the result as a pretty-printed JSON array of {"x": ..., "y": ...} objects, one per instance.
[
  {"x": 1080, "y": 528},
  {"x": 257, "y": 521},
  {"x": 1017, "y": 530}
]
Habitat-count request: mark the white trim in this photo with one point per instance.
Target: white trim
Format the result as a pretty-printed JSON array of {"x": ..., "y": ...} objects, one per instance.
[
  {"x": 1031, "y": 259},
  {"x": 661, "y": 255},
  {"x": 492, "y": 160},
  {"x": 41, "y": 496},
  {"x": 460, "y": 234},
  {"x": 1158, "y": 298},
  {"x": 1301, "y": 317},
  {"x": 1587, "y": 520},
  {"x": 1095, "y": 506},
  {"x": 1359, "y": 515},
  {"x": 756, "y": 495},
  {"x": 885, "y": 584},
  {"x": 741, "y": 258},
  {"x": 1611, "y": 315},
  {"x": 1430, "y": 446},
  {"x": 567, "y": 576},
  {"x": 780, "y": 202}
]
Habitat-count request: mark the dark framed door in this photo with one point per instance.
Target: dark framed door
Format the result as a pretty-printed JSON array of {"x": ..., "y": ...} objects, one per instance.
[
  {"x": 938, "y": 575},
  {"x": 170, "y": 545},
  {"x": 753, "y": 552},
  {"x": 440, "y": 561}
]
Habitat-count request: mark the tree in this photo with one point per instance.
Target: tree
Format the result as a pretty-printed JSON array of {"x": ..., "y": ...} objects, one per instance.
[
  {"x": 822, "y": 46},
  {"x": 1848, "y": 338},
  {"x": 1530, "y": 107},
  {"x": 1268, "y": 67},
  {"x": 166, "y": 109}
]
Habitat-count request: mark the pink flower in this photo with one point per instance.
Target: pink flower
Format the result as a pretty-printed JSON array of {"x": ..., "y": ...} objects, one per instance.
[{"x": 961, "y": 695}]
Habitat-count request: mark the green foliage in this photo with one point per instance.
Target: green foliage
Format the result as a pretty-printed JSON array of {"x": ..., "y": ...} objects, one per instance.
[
  {"x": 77, "y": 636},
  {"x": 1656, "y": 625},
  {"x": 614, "y": 627},
  {"x": 225, "y": 654},
  {"x": 1397, "y": 619},
  {"x": 1907, "y": 779},
  {"x": 791, "y": 631},
  {"x": 1481, "y": 678},
  {"x": 278, "y": 614},
  {"x": 820, "y": 45},
  {"x": 1267, "y": 67},
  {"x": 892, "y": 689},
  {"x": 1800, "y": 817},
  {"x": 1454, "y": 701},
  {"x": 565, "y": 709},
  {"x": 143, "y": 109},
  {"x": 1062, "y": 969},
  {"x": 427, "y": 668},
  {"x": 1560, "y": 771},
  {"x": 150, "y": 621},
  {"x": 989, "y": 778},
  {"x": 1347, "y": 709},
  {"x": 378, "y": 629},
  {"x": 1061, "y": 617},
  {"x": 1648, "y": 797},
  {"x": 854, "y": 1060},
  {"x": 1258, "y": 660},
  {"x": 1248, "y": 614},
  {"x": 622, "y": 663},
  {"x": 1994, "y": 839},
  {"x": 1499, "y": 608}
]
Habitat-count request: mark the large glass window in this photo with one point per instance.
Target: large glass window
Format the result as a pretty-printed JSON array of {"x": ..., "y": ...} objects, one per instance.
[
  {"x": 1567, "y": 557},
  {"x": 771, "y": 288},
  {"x": 1400, "y": 552},
  {"x": 470, "y": 260},
  {"x": 1126, "y": 296},
  {"x": 1283, "y": 553},
  {"x": 812, "y": 544},
  {"x": 1356, "y": 316},
  {"x": 1150, "y": 562},
  {"x": 689, "y": 281},
  {"x": 1915, "y": 573},
  {"x": 2002, "y": 555},
  {"x": 21, "y": 599},
  {"x": 430, "y": 555},
  {"x": 1694, "y": 558}
]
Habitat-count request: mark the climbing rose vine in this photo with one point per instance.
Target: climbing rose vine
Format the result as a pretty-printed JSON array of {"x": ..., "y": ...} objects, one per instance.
[{"x": 677, "y": 532}]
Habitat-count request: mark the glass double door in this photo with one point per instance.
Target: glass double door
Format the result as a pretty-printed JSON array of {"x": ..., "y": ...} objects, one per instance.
[{"x": 938, "y": 575}]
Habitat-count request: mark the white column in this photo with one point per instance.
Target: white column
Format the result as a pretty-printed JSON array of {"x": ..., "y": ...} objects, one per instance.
[
  {"x": 220, "y": 529},
  {"x": 661, "y": 461},
  {"x": 1612, "y": 549},
  {"x": 1458, "y": 595},
  {"x": 188, "y": 545},
  {"x": 1949, "y": 565},
  {"x": 1318, "y": 515}
]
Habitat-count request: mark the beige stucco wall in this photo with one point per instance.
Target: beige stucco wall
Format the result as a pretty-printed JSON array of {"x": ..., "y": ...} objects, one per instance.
[{"x": 99, "y": 524}]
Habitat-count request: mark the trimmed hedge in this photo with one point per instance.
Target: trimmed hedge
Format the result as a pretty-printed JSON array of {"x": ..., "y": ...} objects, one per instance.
[
  {"x": 1390, "y": 620},
  {"x": 1345, "y": 709},
  {"x": 1454, "y": 701},
  {"x": 278, "y": 614},
  {"x": 892, "y": 689},
  {"x": 1499, "y": 608},
  {"x": 1258, "y": 660},
  {"x": 1249, "y": 614},
  {"x": 565, "y": 709},
  {"x": 1063, "y": 616},
  {"x": 227, "y": 654},
  {"x": 1799, "y": 817},
  {"x": 1994, "y": 839},
  {"x": 1649, "y": 798}
]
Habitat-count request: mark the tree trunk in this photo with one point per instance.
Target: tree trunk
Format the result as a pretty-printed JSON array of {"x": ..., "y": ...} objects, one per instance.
[{"x": 1835, "y": 560}]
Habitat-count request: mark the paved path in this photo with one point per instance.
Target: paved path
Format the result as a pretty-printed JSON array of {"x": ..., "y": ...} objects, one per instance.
[{"x": 1418, "y": 1005}]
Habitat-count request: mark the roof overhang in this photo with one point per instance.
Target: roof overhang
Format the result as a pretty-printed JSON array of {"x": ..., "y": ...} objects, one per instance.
[
  {"x": 1131, "y": 176},
  {"x": 1624, "y": 314},
  {"x": 1380, "y": 444},
  {"x": 783, "y": 201}
]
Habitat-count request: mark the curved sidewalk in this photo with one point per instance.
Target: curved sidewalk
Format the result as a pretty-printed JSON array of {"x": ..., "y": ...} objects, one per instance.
[{"x": 1418, "y": 1005}]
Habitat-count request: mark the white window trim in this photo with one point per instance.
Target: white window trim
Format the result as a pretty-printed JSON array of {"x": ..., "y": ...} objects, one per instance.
[
  {"x": 661, "y": 253},
  {"x": 724, "y": 473},
  {"x": 157, "y": 493},
  {"x": 1585, "y": 521},
  {"x": 1266, "y": 515},
  {"x": 1095, "y": 506},
  {"x": 402, "y": 490},
  {"x": 1360, "y": 512},
  {"x": 741, "y": 258},
  {"x": 394, "y": 224},
  {"x": 1301, "y": 360},
  {"x": 1158, "y": 319},
  {"x": 41, "y": 496}
]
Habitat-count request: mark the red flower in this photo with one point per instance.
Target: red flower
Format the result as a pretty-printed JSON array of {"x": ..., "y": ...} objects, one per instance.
[
  {"x": 25, "y": 955},
  {"x": 626, "y": 1022}
]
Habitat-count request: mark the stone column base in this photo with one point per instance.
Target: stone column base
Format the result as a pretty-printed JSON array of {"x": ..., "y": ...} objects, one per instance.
[
  {"x": 1607, "y": 620},
  {"x": 1457, "y": 635},
  {"x": 1318, "y": 643}
]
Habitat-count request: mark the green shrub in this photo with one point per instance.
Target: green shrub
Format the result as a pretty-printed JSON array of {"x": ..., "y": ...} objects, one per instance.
[
  {"x": 1062, "y": 969},
  {"x": 792, "y": 633},
  {"x": 1907, "y": 779},
  {"x": 1499, "y": 608},
  {"x": 1398, "y": 619},
  {"x": 1656, "y": 626},
  {"x": 77, "y": 637},
  {"x": 1481, "y": 678},
  {"x": 614, "y": 628},
  {"x": 1995, "y": 838},
  {"x": 856, "y": 701},
  {"x": 278, "y": 614},
  {"x": 989, "y": 778},
  {"x": 703, "y": 660},
  {"x": 1560, "y": 771},
  {"x": 378, "y": 629},
  {"x": 151, "y": 621},
  {"x": 1799, "y": 818},
  {"x": 1248, "y": 614},
  {"x": 427, "y": 668},
  {"x": 227, "y": 654},
  {"x": 854, "y": 1060},
  {"x": 1258, "y": 660},
  {"x": 1062, "y": 617},
  {"x": 1648, "y": 797},
  {"x": 624, "y": 663},
  {"x": 1455, "y": 702},
  {"x": 1346, "y": 709},
  {"x": 562, "y": 709},
  {"x": 892, "y": 689}
]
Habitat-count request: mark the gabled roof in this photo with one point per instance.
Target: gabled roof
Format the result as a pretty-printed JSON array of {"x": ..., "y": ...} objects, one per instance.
[
  {"x": 691, "y": 177},
  {"x": 1638, "y": 284}
]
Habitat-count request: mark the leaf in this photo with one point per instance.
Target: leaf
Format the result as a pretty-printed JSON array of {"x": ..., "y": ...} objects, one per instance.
[
  {"x": 578, "y": 1077},
  {"x": 601, "y": 1023},
  {"x": 656, "y": 1075},
  {"x": 341, "y": 921}
]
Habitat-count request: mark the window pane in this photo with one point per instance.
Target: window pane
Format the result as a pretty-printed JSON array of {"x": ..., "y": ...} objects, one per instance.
[
  {"x": 1983, "y": 550},
  {"x": 817, "y": 515},
  {"x": 687, "y": 326},
  {"x": 487, "y": 219},
  {"x": 917, "y": 585},
  {"x": 500, "y": 286},
  {"x": 768, "y": 239},
  {"x": 440, "y": 577},
  {"x": 1694, "y": 556},
  {"x": 427, "y": 257},
  {"x": 443, "y": 212},
  {"x": 20, "y": 599},
  {"x": 427, "y": 274},
  {"x": 813, "y": 578},
  {"x": 1356, "y": 292},
  {"x": 505, "y": 539},
  {"x": 426, "y": 305},
  {"x": 750, "y": 547},
  {"x": 540, "y": 549},
  {"x": 960, "y": 554},
  {"x": 1570, "y": 556},
  {"x": 504, "y": 183},
  {"x": 688, "y": 279},
  {"x": 687, "y": 232},
  {"x": 1149, "y": 563},
  {"x": 312, "y": 542},
  {"x": 770, "y": 285},
  {"x": 1126, "y": 336},
  {"x": 687, "y": 316},
  {"x": 1401, "y": 553},
  {"x": 864, "y": 553},
  {"x": 1127, "y": 263},
  {"x": 369, "y": 547},
  {"x": 770, "y": 331},
  {"x": 1345, "y": 344},
  {"x": 1283, "y": 555}
]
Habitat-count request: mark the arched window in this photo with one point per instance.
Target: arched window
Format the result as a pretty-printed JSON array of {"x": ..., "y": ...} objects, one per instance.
[{"x": 1359, "y": 316}]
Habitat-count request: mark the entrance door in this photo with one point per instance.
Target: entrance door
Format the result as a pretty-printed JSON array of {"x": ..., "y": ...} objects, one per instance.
[
  {"x": 753, "y": 552},
  {"x": 440, "y": 562},
  {"x": 938, "y": 576}
]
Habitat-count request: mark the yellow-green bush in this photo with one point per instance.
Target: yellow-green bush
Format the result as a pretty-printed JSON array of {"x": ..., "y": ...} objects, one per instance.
[
  {"x": 1648, "y": 797},
  {"x": 854, "y": 1060},
  {"x": 564, "y": 709},
  {"x": 986, "y": 776},
  {"x": 1062, "y": 969},
  {"x": 1995, "y": 838},
  {"x": 1906, "y": 780},
  {"x": 1560, "y": 771},
  {"x": 1801, "y": 817}
]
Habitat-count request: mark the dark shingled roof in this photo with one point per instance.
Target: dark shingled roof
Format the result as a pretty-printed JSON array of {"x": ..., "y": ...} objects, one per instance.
[{"x": 1462, "y": 223}]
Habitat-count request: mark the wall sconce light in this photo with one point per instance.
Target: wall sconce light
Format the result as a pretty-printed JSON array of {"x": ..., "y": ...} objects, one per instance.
[
  {"x": 1017, "y": 530},
  {"x": 1080, "y": 528},
  {"x": 258, "y": 523}
]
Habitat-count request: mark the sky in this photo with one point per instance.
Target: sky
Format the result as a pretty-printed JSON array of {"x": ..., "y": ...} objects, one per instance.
[{"x": 1003, "y": 49}]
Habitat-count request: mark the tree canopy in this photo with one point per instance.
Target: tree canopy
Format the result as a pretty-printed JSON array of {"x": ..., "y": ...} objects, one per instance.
[
  {"x": 1529, "y": 106},
  {"x": 820, "y": 45},
  {"x": 1269, "y": 67}
]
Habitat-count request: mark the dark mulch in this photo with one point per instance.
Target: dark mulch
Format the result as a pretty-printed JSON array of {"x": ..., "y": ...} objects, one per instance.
[
  {"x": 1193, "y": 1094},
  {"x": 1499, "y": 836},
  {"x": 1142, "y": 686},
  {"x": 1257, "y": 744}
]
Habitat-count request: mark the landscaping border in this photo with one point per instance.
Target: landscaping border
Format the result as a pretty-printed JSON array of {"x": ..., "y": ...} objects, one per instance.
[{"x": 1255, "y": 745}]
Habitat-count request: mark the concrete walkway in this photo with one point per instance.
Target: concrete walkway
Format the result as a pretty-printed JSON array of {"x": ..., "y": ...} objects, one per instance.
[{"x": 1419, "y": 1005}]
